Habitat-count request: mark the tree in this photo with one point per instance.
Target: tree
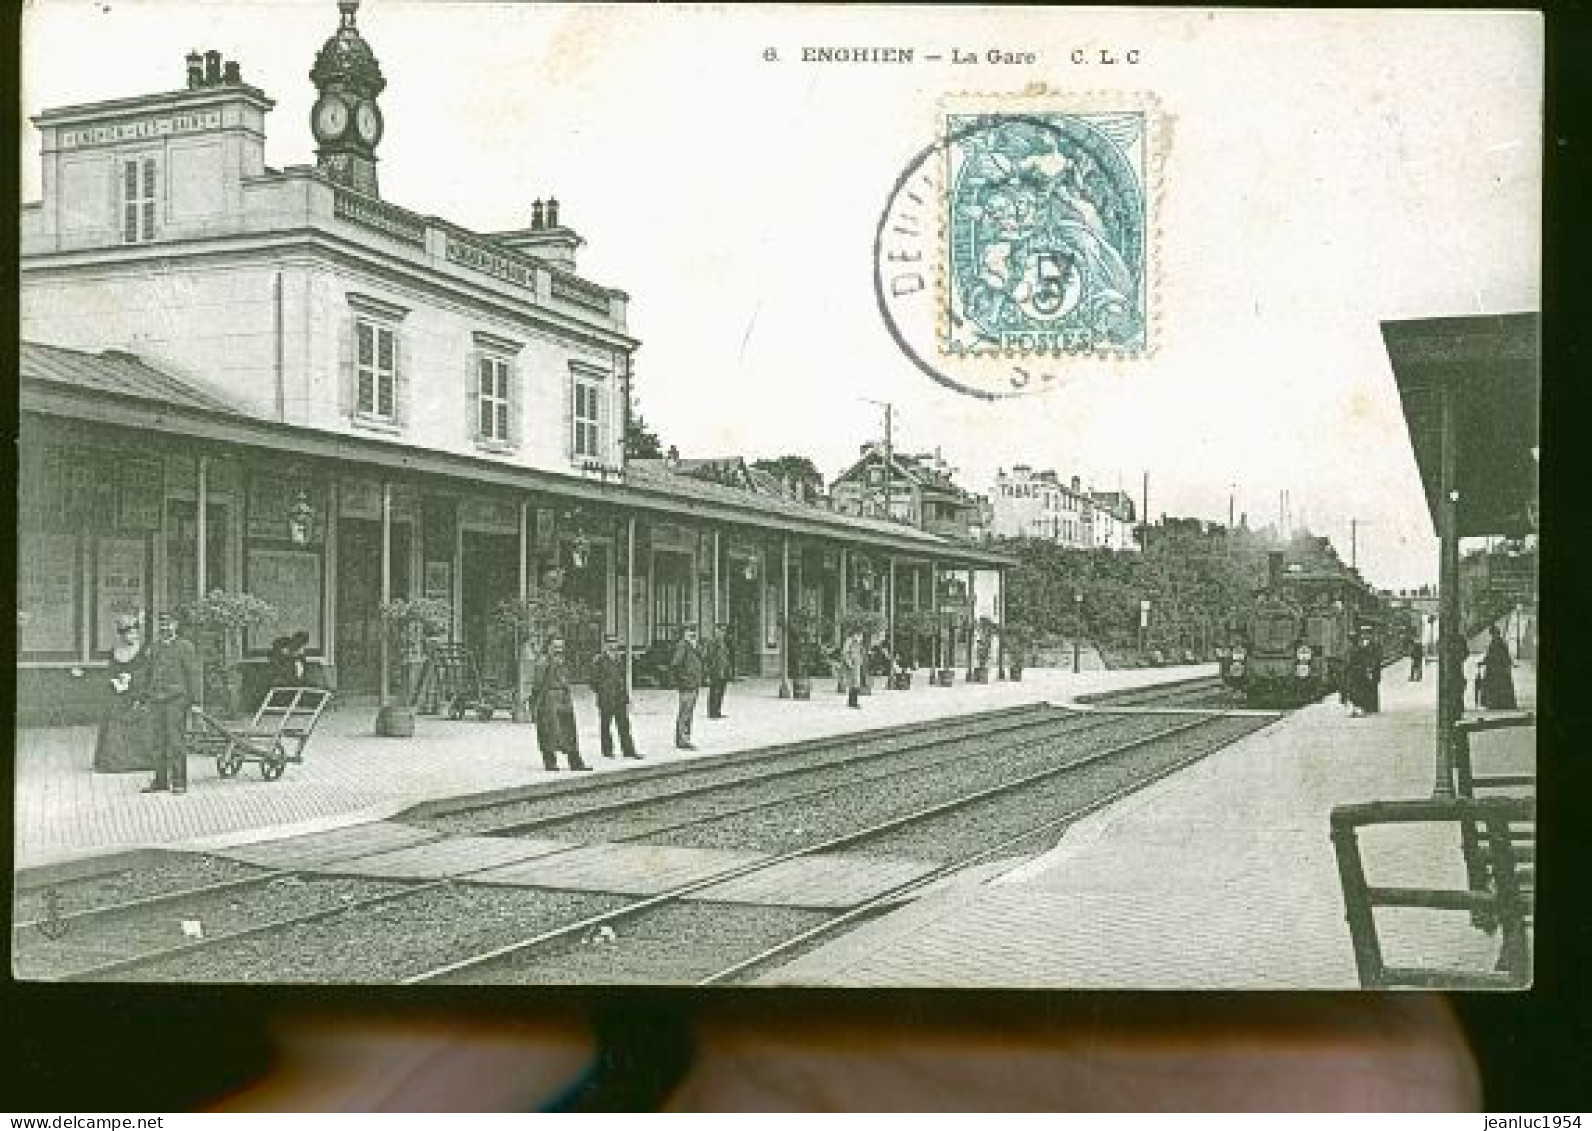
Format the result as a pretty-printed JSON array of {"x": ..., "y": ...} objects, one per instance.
[
  {"x": 641, "y": 442},
  {"x": 799, "y": 468}
]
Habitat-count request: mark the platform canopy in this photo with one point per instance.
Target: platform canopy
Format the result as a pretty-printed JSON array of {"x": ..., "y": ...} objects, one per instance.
[{"x": 1491, "y": 366}]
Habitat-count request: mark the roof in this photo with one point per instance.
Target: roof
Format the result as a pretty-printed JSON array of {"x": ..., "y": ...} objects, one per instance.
[
  {"x": 73, "y": 384},
  {"x": 716, "y": 469},
  {"x": 1491, "y": 366},
  {"x": 116, "y": 371},
  {"x": 650, "y": 475}
]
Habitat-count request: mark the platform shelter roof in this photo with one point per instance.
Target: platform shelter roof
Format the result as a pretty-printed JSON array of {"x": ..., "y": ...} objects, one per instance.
[{"x": 1490, "y": 365}]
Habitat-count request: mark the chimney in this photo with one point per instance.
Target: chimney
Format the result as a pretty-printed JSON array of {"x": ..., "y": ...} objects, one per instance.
[
  {"x": 552, "y": 212},
  {"x": 232, "y": 74},
  {"x": 196, "y": 70},
  {"x": 212, "y": 68},
  {"x": 537, "y": 223},
  {"x": 1077, "y": 485}
]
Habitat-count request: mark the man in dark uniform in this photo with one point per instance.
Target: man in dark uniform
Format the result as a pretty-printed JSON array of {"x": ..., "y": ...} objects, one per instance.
[
  {"x": 613, "y": 698},
  {"x": 716, "y": 663},
  {"x": 686, "y": 672},
  {"x": 175, "y": 680},
  {"x": 554, "y": 711}
]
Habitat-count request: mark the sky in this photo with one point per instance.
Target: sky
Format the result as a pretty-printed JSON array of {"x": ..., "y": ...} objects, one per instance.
[{"x": 1315, "y": 175}]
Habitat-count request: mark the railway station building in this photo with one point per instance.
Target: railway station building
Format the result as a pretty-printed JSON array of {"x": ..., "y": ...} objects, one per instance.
[{"x": 275, "y": 381}]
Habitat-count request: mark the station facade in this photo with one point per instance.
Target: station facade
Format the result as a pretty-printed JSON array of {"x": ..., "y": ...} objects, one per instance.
[{"x": 276, "y": 382}]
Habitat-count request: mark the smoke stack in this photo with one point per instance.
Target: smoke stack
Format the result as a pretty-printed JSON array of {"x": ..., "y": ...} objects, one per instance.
[
  {"x": 552, "y": 212},
  {"x": 212, "y": 68},
  {"x": 196, "y": 70},
  {"x": 537, "y": 221},
  {"x": 232, "y": 74}
]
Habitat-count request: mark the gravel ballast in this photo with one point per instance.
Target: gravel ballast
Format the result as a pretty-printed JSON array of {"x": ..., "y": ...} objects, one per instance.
[
  {"x": 962, "y": 833},
  {"x": 853, "y": 805},
  {"x": 843, "y": 749},
  {"x": 125, "y": 935},
  {"x": 679, "y": 943},
  {"x": 385, "y": 942},
  {"x": 176, "y": 873}
]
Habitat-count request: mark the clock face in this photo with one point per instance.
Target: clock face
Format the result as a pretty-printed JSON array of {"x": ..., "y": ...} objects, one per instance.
[
  {"x": 331, "y": 118},
  {"x": 367, "y": 119}
]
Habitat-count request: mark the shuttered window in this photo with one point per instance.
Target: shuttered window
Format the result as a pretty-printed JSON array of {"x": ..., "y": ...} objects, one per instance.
[
  {"x": 588, "y": 418},
  {"x": 138, "y": 200},
  {"x": 376, "y": 371},
  {"x": 492, "y": 399}
]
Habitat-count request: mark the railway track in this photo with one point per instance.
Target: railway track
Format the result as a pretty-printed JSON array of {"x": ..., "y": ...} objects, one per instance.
[
  {"x": 387, "y": 908},
  {"x": 544, "y": 952}
]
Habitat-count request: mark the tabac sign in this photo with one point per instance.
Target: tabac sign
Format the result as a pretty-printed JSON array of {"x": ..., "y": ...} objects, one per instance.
[{"x": 142, "y": 129}]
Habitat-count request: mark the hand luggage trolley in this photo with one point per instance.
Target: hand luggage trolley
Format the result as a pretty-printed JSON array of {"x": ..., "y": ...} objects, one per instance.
[{"x": 277, "y": 735}]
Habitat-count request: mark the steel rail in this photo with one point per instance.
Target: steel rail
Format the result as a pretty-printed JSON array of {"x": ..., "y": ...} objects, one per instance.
[
  {"x": 1063, "y": 724},
  {"x": 94, "y": 973},
  {"x": 144, "y": 902},
  {"x": 412, "y": 889},
  {"x": 1019, "y": 748},
  {"x": 736, "y": 871},
  {"x": 1066, "y": 716},
  {"x": 829, "y": 758},
  {"x": 909, "y": 888}
]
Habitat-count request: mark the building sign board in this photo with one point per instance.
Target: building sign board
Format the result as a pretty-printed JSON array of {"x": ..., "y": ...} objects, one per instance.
[{"x": 142, "y": 129}]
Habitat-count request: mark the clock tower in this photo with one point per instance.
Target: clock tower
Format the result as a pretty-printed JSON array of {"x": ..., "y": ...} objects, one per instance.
[{"x": 346, "y": 120}]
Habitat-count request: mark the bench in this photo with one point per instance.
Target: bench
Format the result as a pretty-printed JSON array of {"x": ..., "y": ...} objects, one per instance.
[
  {"x": 1502, "y": 897},
  {"x": 1469, "y": 784},
  {"x": 277, "y": 735}
]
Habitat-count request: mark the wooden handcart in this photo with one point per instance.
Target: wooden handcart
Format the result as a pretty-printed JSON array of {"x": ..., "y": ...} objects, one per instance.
[{"x": 277, "y": 735}]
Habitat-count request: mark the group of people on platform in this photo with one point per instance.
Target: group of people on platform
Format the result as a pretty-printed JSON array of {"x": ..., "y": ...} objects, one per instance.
[
  {"x": 154, "y": 687},
  {"x": 1493, "y": 685},
  {"x": 693, "y": 665}
]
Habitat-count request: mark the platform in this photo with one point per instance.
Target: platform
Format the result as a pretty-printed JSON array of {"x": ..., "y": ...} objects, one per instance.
[
  {"x": 1219, "y": 876},
  {"x": 65, "y": 812}
]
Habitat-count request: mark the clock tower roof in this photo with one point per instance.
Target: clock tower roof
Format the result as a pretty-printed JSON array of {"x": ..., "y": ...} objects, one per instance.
[{"x": 346, "y": 60}]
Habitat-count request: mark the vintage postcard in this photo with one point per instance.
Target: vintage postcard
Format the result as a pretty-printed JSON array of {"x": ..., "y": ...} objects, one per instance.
[{"x": 764, "y": 496}]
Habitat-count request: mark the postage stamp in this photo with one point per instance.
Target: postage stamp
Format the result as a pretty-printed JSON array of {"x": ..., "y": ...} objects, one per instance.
[
  {"x": 1045, "y": 218},
  {"x": 1019, "y": 248}
]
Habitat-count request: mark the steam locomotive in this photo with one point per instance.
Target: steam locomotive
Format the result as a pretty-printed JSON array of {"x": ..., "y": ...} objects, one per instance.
[{"x": 1294, "y": 647}]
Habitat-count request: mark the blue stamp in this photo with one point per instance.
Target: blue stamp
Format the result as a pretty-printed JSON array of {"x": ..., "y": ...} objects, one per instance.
[{"x": 1045, "y": 229}]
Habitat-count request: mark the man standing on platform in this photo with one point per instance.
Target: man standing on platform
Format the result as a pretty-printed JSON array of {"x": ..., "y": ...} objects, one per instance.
[
  {"x": 716, "y": 662},
  {"x": 613, "y": 698},
  {"x": 687, "y": 670},
  {"x": 554, "y": 711},
  {"x": 175, "y": 683}
]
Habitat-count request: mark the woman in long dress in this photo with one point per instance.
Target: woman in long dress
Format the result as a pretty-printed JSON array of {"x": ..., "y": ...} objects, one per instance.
[
  {"x": 1497, "y": 684},
  {"x": 125, "y": 742}
]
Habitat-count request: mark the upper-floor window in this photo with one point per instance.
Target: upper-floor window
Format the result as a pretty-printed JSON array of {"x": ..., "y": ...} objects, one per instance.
[
  {"x": 376, "y": 371},
  {"x": 492, "y": 399},
  {"x": 373, "y": 363},
  {"x": 588, "y": 419},
  {"x": 492, "y": 391},
  {"x": 138, "y": 199}
]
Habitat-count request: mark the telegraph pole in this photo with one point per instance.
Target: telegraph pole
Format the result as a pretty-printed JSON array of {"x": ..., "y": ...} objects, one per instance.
[{"x": 1146, "y": 516}]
